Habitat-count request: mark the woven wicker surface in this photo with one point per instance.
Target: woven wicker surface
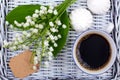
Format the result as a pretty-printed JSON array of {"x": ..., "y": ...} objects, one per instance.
[{"x": 63, "y": 67}]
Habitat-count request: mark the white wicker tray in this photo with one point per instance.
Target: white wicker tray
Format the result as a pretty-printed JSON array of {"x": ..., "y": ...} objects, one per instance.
[{"x": 63, "y": 67}]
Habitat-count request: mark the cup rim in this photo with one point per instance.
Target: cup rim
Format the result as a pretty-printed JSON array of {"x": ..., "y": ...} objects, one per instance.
[{"x": 113, "y": 53}]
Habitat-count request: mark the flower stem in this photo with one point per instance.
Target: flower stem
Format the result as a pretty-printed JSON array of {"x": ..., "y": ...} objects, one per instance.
[{"x": 62, "y": 8}]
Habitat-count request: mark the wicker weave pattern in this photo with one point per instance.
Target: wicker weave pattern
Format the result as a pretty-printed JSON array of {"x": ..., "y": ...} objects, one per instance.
[
  {"x": 63, "y": 67},
  {"x": 117, "y": 34}
]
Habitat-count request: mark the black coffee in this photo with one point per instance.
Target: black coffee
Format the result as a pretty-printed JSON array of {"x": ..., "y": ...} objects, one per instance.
[{"x": 94, "y": 51}]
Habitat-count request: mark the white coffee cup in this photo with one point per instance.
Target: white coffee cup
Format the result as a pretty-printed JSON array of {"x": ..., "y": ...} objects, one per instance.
[{"x": 112, "y": 57}]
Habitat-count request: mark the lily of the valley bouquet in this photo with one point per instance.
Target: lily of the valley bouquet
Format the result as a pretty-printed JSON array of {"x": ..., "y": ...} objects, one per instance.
[{"x": 43, "y": 29}]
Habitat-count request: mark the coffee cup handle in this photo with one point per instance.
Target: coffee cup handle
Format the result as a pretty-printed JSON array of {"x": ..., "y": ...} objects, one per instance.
[{"x": 107, "y": 28}]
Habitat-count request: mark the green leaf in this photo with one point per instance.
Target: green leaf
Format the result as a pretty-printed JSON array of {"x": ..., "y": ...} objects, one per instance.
[
  {"x": 64, "y": 32},
  {"x": 20, "y": 12}
]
